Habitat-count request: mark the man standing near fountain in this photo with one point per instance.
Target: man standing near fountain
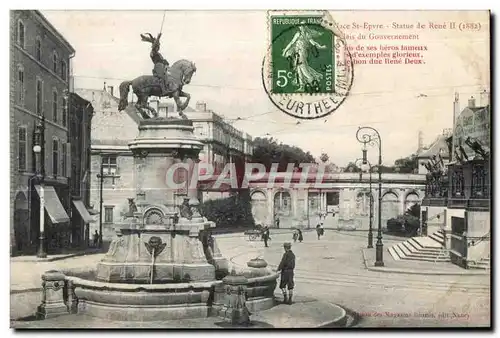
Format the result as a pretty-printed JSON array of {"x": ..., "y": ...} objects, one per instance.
[{"x": 287, "y": 265}]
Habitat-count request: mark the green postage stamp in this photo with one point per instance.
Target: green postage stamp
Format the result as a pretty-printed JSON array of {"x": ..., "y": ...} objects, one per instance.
[
  {"x": 307, "y": 71},
  {"x": 302, "y": 55}
]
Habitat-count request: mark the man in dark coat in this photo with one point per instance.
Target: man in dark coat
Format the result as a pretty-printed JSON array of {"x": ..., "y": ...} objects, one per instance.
[
  {"x": 286, "y": 266},
  {"x": 265, "y": 236}
]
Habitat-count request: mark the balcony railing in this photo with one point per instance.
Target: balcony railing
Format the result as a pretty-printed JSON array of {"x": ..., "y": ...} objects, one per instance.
[
  {"x": 435, "y": 201},
  {"x": 457, "y": 202},
  {"x": 478, "y": 204}
]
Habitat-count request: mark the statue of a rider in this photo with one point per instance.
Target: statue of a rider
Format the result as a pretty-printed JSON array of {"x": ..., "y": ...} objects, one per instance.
[{"x": 160, "y": 64}]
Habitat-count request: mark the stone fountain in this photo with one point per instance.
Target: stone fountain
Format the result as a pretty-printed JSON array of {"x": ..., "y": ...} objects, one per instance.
[
  {"x": 151, "y": 246},
  {"x": 163, "y": 264}
]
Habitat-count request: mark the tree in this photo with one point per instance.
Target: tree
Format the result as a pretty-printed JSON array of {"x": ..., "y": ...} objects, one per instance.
[
  {"x": 352, "y": 167},
  {"x": 324, "y": 157},
  {"x": 414, "y": 210},
  {"x": 268, "y": 151},
  {"x": 407, "y": 165},
  {"x": 410, "y": 221}
]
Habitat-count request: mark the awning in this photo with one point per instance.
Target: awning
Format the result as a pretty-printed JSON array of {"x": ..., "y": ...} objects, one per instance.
[
  {"x": 84, "y": 213},
  {"x": 53, "y": 205}
]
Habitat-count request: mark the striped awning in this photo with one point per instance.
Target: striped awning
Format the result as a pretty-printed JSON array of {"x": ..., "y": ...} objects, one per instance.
[
  {"x": 82, "y": 210},
  {"x": 53, "y": 205}
]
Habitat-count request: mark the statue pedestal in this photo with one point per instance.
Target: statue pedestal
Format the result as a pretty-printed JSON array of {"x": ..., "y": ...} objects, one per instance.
[{"x": 163, "y": 150}]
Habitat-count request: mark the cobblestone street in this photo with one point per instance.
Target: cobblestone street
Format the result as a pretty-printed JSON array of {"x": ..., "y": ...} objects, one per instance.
[{"x": 330, "y": 269}]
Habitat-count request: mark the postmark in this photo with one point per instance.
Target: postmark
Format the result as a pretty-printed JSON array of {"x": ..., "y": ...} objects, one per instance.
[{"x": 307, "y": 71}]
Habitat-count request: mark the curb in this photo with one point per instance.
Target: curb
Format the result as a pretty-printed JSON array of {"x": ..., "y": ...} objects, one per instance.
[
  {"x": 57, "y": 258},
  {"x": 28, "y": 290},
  {"x": 418, "y": 272},
  {"x": 340, "y": 321}
]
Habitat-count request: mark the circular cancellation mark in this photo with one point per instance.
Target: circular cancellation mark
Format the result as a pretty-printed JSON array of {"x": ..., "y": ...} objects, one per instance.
[{"x": 307, "y": 71}]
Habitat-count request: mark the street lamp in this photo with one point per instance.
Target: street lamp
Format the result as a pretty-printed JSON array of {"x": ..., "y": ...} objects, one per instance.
[
  {"x": 370, "y": 231},
  {"x": 371, "y": 136},
  {"x": 37, "y": 149},
  {"x": 100, "y": 176}
]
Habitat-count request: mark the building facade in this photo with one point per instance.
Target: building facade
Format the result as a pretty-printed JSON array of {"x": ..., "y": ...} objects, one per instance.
[
  {"x": 457, "y": 201},
  {"x": 338, "y": 200},
  {"x": 80, "y": 122},
  {"x": 40, "y": 64},
  {"x": 113, "y": 130}
]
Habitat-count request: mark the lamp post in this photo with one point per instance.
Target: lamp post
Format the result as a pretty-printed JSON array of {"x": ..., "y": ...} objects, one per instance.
[
  {"x": 100, "y": 176},
  {"x": 370, "y": 231},
  {"x": 37, "y": 149},
  {"x": 371, "y": 136}
]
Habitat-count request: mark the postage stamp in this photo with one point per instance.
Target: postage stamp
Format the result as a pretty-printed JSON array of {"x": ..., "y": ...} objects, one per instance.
[
  {"x": 307, "y": 72},
  {"x": 302, "y": 55}
]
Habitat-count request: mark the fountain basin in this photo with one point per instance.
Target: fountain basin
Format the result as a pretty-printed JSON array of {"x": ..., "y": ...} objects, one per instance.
[
  {"x": 259, "y": 294},
  {"x": 143, "y": 302}
]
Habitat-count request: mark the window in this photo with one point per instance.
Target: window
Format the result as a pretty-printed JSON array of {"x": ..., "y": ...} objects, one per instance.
[
  {"x": 64, "y": 71},
  {"x": 64, "y": 111},
  {"x": 109, "y": 166},
  {"x": 108, "y": 214},
  {"x": 55, "y": 60},
  {"x": 20, "y": 85},
  {"x": 54, "y": 106},
  {"x": 39, "y": 96},
  {"x": 64, "y": 149},
  {"x": 38, "y": 49},
  {"x": 23, "y": 148},
  {"x": 55, "y": 156},
  {"x": 332, "y": 198},
  {"x": 20, "y": 33}
]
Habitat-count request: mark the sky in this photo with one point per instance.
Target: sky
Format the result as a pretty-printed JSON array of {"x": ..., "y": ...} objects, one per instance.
[{"x": 228, "y": 47}]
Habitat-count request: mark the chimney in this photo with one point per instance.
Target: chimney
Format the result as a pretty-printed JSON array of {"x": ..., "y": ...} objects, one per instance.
[
  {"x": 420, "y": 141},
  {"x": 484, "y": 98},
  {"x": 201, "y": 106},
  {"x": 110, "y": 90},
  {"x": 472, "y": 102}
]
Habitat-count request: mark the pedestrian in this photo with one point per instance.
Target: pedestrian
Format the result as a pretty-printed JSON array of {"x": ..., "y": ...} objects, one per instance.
[
  {"x": 286, "y": 266},
  {"x": 301, "y": 238},
  {"x": 265, "y": 236},
  {"x": 96, "y": 238},
  {"x": 295, "y": 235},
  {"x": 320, "y": 230},
  {"x": 277, "y": 222}
]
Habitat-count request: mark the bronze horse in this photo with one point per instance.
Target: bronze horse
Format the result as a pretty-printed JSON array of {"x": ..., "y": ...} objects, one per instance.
[{"x": 147, "y": 85}]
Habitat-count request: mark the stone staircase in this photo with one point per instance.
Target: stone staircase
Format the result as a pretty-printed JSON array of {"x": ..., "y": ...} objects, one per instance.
[
  {"x": 430, "y": 249},
  {"x": 483, "y": 263},
  {"x": 438, "y": 236}
]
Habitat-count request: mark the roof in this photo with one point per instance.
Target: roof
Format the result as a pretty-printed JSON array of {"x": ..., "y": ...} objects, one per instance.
[
  {"x": 439, "y": 146},
  {"x": 53, "y": 30}
]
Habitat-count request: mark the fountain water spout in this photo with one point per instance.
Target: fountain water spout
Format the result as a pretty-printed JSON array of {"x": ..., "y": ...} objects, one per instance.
[{"x": 154, "y": 247}]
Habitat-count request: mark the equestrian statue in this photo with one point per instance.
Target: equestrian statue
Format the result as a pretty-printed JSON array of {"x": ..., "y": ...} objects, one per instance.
[{"x": 166, "y": 81}]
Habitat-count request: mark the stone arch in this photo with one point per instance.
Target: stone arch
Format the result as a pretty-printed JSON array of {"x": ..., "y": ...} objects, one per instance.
[
  {"x": 282, "y": 203},
  {"x": 414, "y": 192},
  {"x": 411, "y": 198},
  {"x": 21, "y": 221},
  {"x": 259, "y": 206},
  {"x": 390, "y": 191},
  {"x": 390, "y": 206}
]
